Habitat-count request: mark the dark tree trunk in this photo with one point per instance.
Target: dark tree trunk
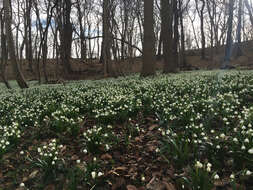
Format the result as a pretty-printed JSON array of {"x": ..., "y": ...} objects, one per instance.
[
  {"x": 167, "y": 31},
  {"x": 148, "y": 67}
]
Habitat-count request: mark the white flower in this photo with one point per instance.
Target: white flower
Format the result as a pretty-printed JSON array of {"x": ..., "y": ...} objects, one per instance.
[
  {"x": 85, "y": 151},
  {"x": 218, "y": 146},
  {"x": 243, "y": 147},
  {"x": 94, "y": 159},
  {"x": 216, "y": 176},
  {"x": 232, "y": 176},
  {"x": 208, "y": 169},
  {"x": 143, "y": 178},
  {"x": 53, "y": 162},
  {"x": 22, "y": 152},
  {"x": 100, "y": 174},
  {"x": 93, "y": 175},
  {"x": 246, "y": 140},
  {"x": 250, "y": 151},
  {"x": 198, "y": 165},
  {"x": 21, "y": 185},
  {"x": 222, "y": 136},
  {"x": 235, "y": 140},
  {"x": 78, "y": 161},
  {"x": 248, "y": 172},
  {"x": 39, "y": 150}
]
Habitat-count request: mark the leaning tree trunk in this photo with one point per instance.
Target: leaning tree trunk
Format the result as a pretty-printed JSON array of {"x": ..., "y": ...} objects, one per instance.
[
  {"x": 148, "y": 67},
  {"x": 16, "y": 69}
]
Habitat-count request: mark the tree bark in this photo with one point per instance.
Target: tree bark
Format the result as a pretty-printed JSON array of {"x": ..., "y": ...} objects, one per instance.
[
  {"x": 229, "y": 41},
  {"x": 11, "y": 48},
  {"x": 167, "y": 31},
  {"x": 148, "y": 65}
]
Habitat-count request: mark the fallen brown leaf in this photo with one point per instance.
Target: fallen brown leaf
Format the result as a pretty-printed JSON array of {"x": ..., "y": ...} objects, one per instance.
[
  {"x": 106, "y": 157},
  {"x": 131, "y": 187}
]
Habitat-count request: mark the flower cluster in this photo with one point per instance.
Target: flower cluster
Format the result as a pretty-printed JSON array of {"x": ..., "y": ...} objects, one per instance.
[
  {"x": 99, "y": 139},
  {"x": 9, "y": 134},
  {"x": 50, "y": 152}
]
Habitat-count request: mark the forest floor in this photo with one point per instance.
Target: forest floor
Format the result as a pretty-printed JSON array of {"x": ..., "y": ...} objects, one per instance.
[{"x": 191, "y": 130}]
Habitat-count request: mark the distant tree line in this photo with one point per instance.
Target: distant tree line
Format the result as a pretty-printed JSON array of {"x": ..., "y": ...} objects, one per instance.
[{"x": 115, "y": 30}]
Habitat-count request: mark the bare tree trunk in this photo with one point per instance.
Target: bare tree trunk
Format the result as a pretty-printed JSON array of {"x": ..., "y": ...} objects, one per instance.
[
  {"x": 229, "y": 41},
  {"x": 238, "y": 50},
  {"x": 4, "y": 54},
  {"x": 16, "y": 69},
  {"x": 182, "y": 50},
  {"x": 167, "y": 30},
  {"x": 148, "y": 67},
  {"x": 107, "y": 40},
  {"x": 249, "y": 10}
]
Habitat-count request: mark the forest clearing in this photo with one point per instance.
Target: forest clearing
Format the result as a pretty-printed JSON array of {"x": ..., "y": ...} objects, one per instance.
[
  {"x": 126, "y": 95},
  {"x": 191, "y": 130}
]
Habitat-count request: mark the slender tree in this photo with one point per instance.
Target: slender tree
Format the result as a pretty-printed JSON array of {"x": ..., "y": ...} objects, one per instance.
[
  {"x": 11, "y": 47},
  {"x": 229, "y": 41}
]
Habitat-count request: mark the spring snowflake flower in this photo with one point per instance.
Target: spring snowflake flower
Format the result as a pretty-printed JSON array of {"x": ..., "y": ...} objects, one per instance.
[
  {"x": 243, "y": 147},
  {"x": 216, "y": 176},
  {"x": 222, "y": 136},
  {"x": 100, "y": 174},
  {"x": 198, "y": 165},
  {"x": 85, "y": 151},
  {"x": 248, "y": 173},
  {"x": 250, "y": 151},
  {"x": 93, "y": 175},
  {"x": 232, "y": 176},
  {"x": 21, "y": 185}
]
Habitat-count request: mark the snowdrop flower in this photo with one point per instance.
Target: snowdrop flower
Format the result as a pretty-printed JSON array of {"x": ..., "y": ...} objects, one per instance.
[
  {"x": 22, "y": 152},
  {"x": 143, "y": 178},
  {"x": 21, "y": 185},
  {"x": 235, "y": 140},
  {"x": 218, "y": 146},
  {"x": 243, "y": 147},
  {"x": 94, "y": 159},
  {"x": 78, "y": 161}
]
